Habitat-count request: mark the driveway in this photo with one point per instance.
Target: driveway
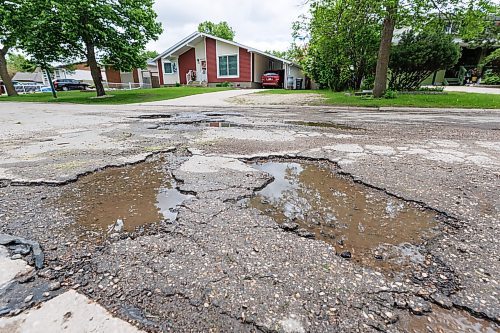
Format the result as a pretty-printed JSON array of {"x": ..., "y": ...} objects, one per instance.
[
  {"x": 249, "y": 219},
  {"x": 473, "y": 89},
  {"x": 210, "y": 99}
]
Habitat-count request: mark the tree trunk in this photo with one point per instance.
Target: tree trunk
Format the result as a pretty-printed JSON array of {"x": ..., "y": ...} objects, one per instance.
[
  {"x": 384, "y": 52},
  {"x": 4, "y": 74},
  {"x": 95, "y": 70}
]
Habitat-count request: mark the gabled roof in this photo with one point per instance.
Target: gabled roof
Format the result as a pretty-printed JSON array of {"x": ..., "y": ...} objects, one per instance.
[
  {"x": 185, "y": 42},
  {"x": 27, "y": 76}
]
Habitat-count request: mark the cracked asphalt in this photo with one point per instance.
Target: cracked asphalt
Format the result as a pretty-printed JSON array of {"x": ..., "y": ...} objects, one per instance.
[{"x": 223, "y": 266}]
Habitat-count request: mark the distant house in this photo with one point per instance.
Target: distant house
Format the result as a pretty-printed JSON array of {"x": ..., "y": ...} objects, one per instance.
[
  {"x": 138, "y": 76},
  {"x": 35, "y": 77},
  {"x": 210, "y": 60}
]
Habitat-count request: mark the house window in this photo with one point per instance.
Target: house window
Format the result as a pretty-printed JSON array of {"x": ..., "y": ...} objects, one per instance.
[
  {"x": 228, "y": 65},
  {"x": 168, "y": 68}
]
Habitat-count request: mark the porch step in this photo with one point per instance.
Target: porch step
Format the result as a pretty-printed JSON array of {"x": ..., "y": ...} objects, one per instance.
[{"x": 198, "y": 84}]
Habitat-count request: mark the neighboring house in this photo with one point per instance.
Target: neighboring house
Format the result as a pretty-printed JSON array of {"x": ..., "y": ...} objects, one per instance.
[
  {"x": 35, "y": 77},
  {"x": 136, "y": 77},
  {"x": 77, "y": 71},
  {"x": 210, "y": 60}
]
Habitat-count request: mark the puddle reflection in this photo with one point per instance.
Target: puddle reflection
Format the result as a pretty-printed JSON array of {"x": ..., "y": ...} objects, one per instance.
[
  {"x": 122, "y": 199},
  {"x": 369, "y": 224}
]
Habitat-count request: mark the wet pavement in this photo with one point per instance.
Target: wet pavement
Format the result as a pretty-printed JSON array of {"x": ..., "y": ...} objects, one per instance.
[{"x": 255, "y": 219}]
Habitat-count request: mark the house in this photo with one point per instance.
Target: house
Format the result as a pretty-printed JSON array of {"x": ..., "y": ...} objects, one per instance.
[
  {"x": 209, "y": 60},
  {"x": 77, "y": 71},
  {"x": 137, "y": 77},
  {"x": 27, "y": 77}
]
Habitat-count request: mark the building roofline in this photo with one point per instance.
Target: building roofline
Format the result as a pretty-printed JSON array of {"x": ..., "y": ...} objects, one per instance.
[{"x": 195, "y": 35}]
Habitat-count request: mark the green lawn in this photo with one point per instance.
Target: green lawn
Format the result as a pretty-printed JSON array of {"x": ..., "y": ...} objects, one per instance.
[
  {"x": 119, "y": 96},
  {"x": 449, "y": 100}
]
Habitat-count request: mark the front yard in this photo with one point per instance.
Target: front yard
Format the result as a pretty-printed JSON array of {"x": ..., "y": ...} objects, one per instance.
[
  {"x": 448, "y": 100},
  {"x": 115, "y": 97}
]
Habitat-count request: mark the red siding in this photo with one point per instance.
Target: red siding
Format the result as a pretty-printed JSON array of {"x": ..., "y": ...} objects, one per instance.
[
  {"x": 160, "y": 71},
  {"x": 187, "y": 62},
  {"x": 244, "y": 59}
]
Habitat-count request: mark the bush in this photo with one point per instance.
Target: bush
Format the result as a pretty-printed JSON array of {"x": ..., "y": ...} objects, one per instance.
[
  {"x": 390, "y": 94},
  {"x": 367, "y": 83},
  {"x": 418, "y": 55},
  {"x": 491, "y": 78},
  {"x": 223, "y": 85},
  {"x": 177, "y": 84}
]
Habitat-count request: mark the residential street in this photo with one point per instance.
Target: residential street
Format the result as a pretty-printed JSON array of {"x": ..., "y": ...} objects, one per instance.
[{"x": 235, "y": 215}]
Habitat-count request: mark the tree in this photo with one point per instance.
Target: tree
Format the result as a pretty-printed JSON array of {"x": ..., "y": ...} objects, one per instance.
[
  {"x": 465, "y": 18},
  {"x": 13, "y": 22},
  {"x": 418, "y": 55},
  {"x": 221, "y": 29},
  {"x": 106, "y": 31},
  {"x": 150, "y": 54},
  {"x": 19, "y": 63},
  {"x": 343, "y": 39}
]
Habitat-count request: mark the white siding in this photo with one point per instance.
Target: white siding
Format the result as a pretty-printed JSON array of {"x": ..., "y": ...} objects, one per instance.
[
  {"x": 227, "y": 49},
  {"x": 260, "y": 65},
  {"x": 200, "y": 54},
  {"x": 171, "y": 79}
]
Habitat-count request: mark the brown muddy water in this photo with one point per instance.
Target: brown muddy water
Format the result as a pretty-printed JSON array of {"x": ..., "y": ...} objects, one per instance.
[
  {"x": 122, "y": 199},
  {"x": 447, "y": 321},
  {"x": 374, "y": 228}
]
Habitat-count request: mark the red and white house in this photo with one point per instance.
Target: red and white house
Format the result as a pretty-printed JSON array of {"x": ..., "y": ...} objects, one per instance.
[{"x": 207, "y": 59}]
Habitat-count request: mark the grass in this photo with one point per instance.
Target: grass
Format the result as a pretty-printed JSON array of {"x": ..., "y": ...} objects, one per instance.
[
  {"x": 118, "y": 96},
  {"x": 448, "y": 100}
]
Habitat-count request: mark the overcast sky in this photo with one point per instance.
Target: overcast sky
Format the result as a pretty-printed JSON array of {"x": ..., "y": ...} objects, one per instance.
[{"x": 262, "y": 24}]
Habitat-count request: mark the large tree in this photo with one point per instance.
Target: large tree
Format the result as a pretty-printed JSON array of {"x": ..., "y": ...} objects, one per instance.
[
  {"x": 111, "y": 32},
  {"x": 343, "y": 38},
  {"x": 464, "y": 18},
  {"x": 14, "y": 19},
  {"x": 221, "y": 29}
]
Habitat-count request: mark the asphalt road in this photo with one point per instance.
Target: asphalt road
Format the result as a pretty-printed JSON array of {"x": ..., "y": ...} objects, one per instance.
[{"x": 223, "y": 265}]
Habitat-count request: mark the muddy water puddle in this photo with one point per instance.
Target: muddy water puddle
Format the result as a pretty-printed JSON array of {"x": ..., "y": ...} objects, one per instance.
[
  {"x": 364, "y": 224},
  {"x": 122, "y": 199},
  {"x": 447, "y": 321}
]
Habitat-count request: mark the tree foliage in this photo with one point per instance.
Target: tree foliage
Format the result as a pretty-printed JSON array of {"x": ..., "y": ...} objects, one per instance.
[
  {"x": 221, "y": 29},
  {"x": 19, "y": 63},
  {"x": 114, "y": 33},
  {"x": 14, "y": 22},
  {"x": 418, "y": 55},
  {"x": 343, "y": 38}
]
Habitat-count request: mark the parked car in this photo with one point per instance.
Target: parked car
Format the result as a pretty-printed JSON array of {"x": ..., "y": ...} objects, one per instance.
[
  {"x": 70, "y": 84},
  {"x": 273, "y": 79},
  {"x": 45, "y": 89}
]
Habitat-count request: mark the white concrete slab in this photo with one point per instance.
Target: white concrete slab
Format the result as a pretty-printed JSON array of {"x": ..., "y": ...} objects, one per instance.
[
  {"x": 9, "y": 268},
  {"x": 69, "y": 312}
]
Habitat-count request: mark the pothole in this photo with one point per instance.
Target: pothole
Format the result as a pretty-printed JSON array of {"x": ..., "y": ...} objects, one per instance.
[
  {"x": 153, "y": 116},
  {"x": 122, "y": 199},
  {"x": 198, "y": 124},
  {"x": 362, "y": 223},
  {"x": 324, "y": 124},
  {"x": 447, "y": 321}
]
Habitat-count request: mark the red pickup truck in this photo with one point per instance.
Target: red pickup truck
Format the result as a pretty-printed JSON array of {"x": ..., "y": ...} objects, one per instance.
[{"x": 273, "y": 79}]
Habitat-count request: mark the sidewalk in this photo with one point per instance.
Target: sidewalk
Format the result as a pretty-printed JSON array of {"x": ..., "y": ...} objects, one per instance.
[{"x": 473, "y": 89}]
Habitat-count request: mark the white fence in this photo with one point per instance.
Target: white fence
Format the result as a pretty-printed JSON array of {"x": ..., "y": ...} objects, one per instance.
[
  {"x": 126, "y": 86},
  {"x": 26, "y": 88}
]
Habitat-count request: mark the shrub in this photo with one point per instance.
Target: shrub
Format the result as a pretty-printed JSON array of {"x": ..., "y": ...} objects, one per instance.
[
  {"x": 418, "y": 55},
  {"x": 491, "y": 79},
  {"x": 390, "y": 94},
  {"x": 223, "y": 85}
]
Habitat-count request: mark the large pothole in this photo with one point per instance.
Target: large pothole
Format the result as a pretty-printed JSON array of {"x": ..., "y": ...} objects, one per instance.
[
  {"x": 362, "y": 223},
  {"x": 123, "y": 199}
]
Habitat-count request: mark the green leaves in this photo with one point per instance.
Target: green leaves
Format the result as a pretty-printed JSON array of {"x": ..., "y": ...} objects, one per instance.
[
  {"x": 418, "y": 55},
  {"x": 221, "y": 29}
]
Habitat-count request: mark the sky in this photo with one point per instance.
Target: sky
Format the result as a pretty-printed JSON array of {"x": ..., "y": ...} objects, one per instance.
[{"x": 261, "y": 24}]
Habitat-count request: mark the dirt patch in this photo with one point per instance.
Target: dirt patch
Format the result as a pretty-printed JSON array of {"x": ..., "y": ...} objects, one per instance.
[{"x": 277, "y": 99}]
